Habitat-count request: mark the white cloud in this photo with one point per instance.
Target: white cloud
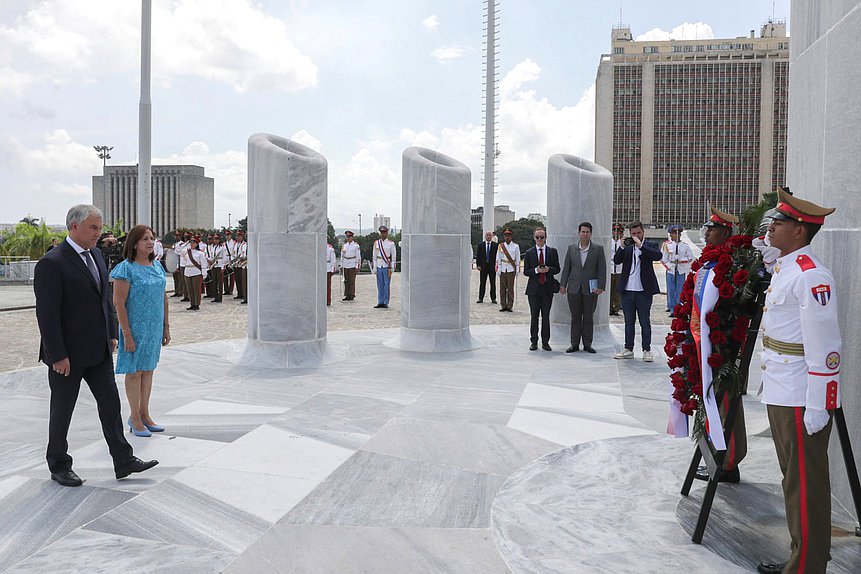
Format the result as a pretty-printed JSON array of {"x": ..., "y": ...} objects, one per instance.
[
  {"x": 13, "y": 82},
  {"x": 60, "y": 157},
  {"x": 367, "y": 184},
  {"x": 229, "y": 41},
  {"x": 684, "y": 31},
  {"x": 449, "y": 53},
  {"x": 524, "y": 72},
  {"x": 307, "y": 140},
  {"x": 431, "y": 23}
]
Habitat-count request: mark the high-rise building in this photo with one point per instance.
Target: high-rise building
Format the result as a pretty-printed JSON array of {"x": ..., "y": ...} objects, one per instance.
[
  {"x": 502, "y": 214},
  {"x": 181, "y": 196},
  {"x": 681, "y": 123},
  {"x": 380, "y": 219}
]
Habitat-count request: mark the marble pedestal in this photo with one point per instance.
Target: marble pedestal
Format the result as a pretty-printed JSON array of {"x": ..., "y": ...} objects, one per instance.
[
  {"x": 578, "y": 190},
  {"x": 287, "y": 200},
  {"x": 436, "y": 254}
]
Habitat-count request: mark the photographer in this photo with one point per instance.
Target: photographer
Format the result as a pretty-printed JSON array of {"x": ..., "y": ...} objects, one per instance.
[{"x": 637, "y": 286}]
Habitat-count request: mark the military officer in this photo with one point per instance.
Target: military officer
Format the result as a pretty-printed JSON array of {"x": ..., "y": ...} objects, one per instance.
[
  {"x": 351, "y": 261},
  {"x": 241, "y": 270},
  {"x": 230, "y": 249},
  {"x": 508, "y": 264},
  {"x": 331, "y": 269},
  {"x": 384, "y": 260},
  {"x": 801, "y": 379},
  {"x": 179, "y": 281},
  {"x": 217, "y": 262}
]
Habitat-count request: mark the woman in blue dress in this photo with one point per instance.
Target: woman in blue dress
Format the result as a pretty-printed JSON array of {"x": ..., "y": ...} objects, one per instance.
[{"x": 142, "y": 311}]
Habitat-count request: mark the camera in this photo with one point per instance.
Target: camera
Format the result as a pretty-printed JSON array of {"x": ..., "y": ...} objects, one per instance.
[{"x": 629, "y": 241}]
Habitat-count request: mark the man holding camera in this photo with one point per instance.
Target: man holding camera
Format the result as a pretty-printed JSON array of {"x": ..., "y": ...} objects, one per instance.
[{"x": 637, "y": 286}]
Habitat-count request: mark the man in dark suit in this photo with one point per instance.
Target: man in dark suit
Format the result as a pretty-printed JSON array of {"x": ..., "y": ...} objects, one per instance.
[
  {"x": 77, "y": 322},
  {"x": 637, "y": 285},
  {"x": 485, "y": 260},
  {"x": 540, "y": 264},
  {"x": 584, "y": 277}
]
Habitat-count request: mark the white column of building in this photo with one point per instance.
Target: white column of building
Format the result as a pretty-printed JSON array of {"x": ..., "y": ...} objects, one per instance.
[
  {"x": 144, "y": 195},
  {"x": 647, "y": 143}
]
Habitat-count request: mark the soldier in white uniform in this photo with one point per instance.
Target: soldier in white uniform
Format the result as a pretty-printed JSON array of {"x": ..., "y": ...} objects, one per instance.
[
  {"x": 218, "y": 261},
  {"x": 801, "y": 379},
  {"x": 158, "y": 251},
  {"x": 676, "y": 256},
  {"x": 230, "y": 249},
  {"x": 508, "y": 265},
  {"x": 179, "y": 282},
  {"x": 351, "y": 261},
  {"x": 384, "y": 260},
  {"x": 331, "y": 269},
  {"x": 241, "y": 270}
]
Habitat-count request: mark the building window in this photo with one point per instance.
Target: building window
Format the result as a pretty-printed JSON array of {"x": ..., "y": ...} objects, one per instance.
[{"x": 618, "y": 50}]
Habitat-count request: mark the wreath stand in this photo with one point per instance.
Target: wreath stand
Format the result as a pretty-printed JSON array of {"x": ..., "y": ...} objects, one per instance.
[{"x": 714, "y": 458}]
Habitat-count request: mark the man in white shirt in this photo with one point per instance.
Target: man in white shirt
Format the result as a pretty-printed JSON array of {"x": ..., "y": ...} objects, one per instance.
[
  {"x": 158, "y": 251},
  {"x": 180, "y": 247},
  {"x": 331, "y": 269},
  {"x": 384, "y": 260},
  {"x": 351, "y": 261},
  {"x": 676, "y": 256},
  {"x": 230, "y": 250},
  {"x": 218, "y": 260},
  {"x": 508, "y": 265}
]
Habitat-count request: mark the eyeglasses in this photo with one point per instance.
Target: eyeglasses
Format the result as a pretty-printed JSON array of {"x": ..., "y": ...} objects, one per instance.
[{"x": 539, "y": 237}]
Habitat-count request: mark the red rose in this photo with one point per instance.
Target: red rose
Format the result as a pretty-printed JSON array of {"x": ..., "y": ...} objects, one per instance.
[
  {"x": 680, "y": 395},
  {"x": 690, "y": 280},
  {"x": 725, "y": 249},
  {"x": 726, "y": 291},
  {"x": 719, "y": 279},
  {"x": 678, "y": 380},
  {"x": 697, "y": 389},
  {"x": 742, "y": 323},
  {"x": 715, "y": 360},
  {"x": 695, "y": 376},
  {"x": 695, "y": 266},
  {"x": 684, "y": 310},
  {"x": 725, "y": 258},
  {"x": 689, "y": 350},
  {"x": 738, "y": 334},
  {"x": 722, "y": 269},
  {"x": 686, "y": 296},
  {"x": 717, "y": 337},
  {"x": 740, "y": 278},
  {"x": 676, "y": 362},
  {"x": 691, "y": 406},
  {"x": 680, "y": 324},
  {"x": 710, "y": 253},
  {"x": 669, "y": 338},
  {"x": 670, "y": 349},
  {"x": 712, "y": 319}
]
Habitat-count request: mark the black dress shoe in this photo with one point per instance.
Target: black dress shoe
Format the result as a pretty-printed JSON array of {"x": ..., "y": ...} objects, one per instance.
[
  {"x": 134, "y": 464},
  {"x": 479, "y": 301},
  {"x": 67, "y": 478},
  {"x": 493, "y": 301},
  {"x": 731, "y": 476},
  {"x": 503, "y": 310},
  {"x": 770, "y": 567},
  {"x": 379, "y": 306},
  {"x": 184, "y": 300},
  {"x": 546, "y": 346},
  {"x": 572, "y": 349},
  {"x": 589, "y": 349},
  {"x": 533, "y": 347}
]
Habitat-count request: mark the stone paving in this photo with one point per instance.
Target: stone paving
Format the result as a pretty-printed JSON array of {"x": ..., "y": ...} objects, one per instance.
[{"x": 217, "y": 322}]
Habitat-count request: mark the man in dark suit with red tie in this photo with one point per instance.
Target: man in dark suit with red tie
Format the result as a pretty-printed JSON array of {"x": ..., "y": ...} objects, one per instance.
[
  {"x": 540, "y": 264},
  {"x": 485, "y": 260},
  {"x": 77, "y": 322}
]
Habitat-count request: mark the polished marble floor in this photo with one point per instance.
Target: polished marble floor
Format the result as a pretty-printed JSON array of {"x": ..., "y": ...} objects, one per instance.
[{"x": 491, "y": 461}]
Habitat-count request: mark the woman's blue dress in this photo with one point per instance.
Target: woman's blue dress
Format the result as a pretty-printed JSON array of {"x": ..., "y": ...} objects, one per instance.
[{"x": 145, "y": 307}]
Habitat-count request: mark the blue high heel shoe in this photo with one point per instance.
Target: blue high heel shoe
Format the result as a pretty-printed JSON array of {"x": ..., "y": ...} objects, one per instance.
[
  {"x": 137, "y": 432},
  {"x": 154, "y": 428}
]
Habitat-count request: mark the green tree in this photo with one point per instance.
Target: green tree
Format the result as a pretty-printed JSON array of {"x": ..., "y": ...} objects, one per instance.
[
  {"x": 27, "y": 240},
  {"x": 30, "y": 220},
  {"x": 522, "y": 232},
  {"x": 118, "y": 228},
  {"x": 330, "y": 236},
  {"x": 243, "y": 224}
]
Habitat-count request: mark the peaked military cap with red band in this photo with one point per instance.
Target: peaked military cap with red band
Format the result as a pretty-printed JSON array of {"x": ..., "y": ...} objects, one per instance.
[
  {"x": 791, "y": 208},
  {"x": 721, "y": 219}
]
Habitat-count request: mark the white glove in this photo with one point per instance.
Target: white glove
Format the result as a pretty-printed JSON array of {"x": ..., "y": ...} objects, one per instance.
[
  {"x": 815, "y": 420},
  {"x": 769, "y": 253}
]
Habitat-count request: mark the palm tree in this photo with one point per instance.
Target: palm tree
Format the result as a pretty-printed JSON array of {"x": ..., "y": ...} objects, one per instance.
[{"x": 30, "y": 220}]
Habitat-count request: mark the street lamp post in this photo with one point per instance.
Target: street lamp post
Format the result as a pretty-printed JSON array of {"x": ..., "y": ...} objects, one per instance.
[
  {"x": 104, "y": 155},
  {"x": 228, "y": 221},
  {"x": 360, "y": 225}
]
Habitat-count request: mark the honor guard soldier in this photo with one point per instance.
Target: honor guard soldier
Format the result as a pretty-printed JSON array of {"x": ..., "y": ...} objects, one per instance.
[
  {"x": 241, "y": 268},
  {"x": 801, "y": 378},
  {"x": 230, "y": 248},
  {"x": 209, "y": 251},
  {"x": 181, "y": 249},
  {"x": 384, "y": 260},
  {"x": 508, "y": 265},
  {"x": 218, "y": 261},
  {"x": 331, "y": 269},
  {"x": 178, "y": 277},
  {"x": 351, "y": 261}
]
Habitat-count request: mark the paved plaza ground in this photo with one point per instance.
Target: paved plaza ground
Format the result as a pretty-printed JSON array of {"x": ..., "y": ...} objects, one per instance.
[{"x": 498, "y": 460}]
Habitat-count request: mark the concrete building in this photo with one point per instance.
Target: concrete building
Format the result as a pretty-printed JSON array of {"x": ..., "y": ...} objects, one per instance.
[
  {"x": 380, "y": 219},
  {"x": 181, "y": 196},
  {"x": 502, "y": 214},
  {"x": 537, "y": 217},
  {"x": 681, "y": 123}
]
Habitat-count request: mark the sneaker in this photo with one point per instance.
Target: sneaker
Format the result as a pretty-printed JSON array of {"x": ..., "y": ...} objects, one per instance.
[
  {"x": 647, "y": 356},
  {"x": 624, "y": 354}
]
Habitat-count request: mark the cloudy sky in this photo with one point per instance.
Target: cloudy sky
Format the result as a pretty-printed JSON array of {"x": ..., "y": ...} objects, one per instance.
[{"x": 357, "y": 80}]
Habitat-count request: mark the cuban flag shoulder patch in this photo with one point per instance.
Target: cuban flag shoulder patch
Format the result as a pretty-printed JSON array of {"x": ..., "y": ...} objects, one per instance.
[{"x": 822, "y": 293}]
